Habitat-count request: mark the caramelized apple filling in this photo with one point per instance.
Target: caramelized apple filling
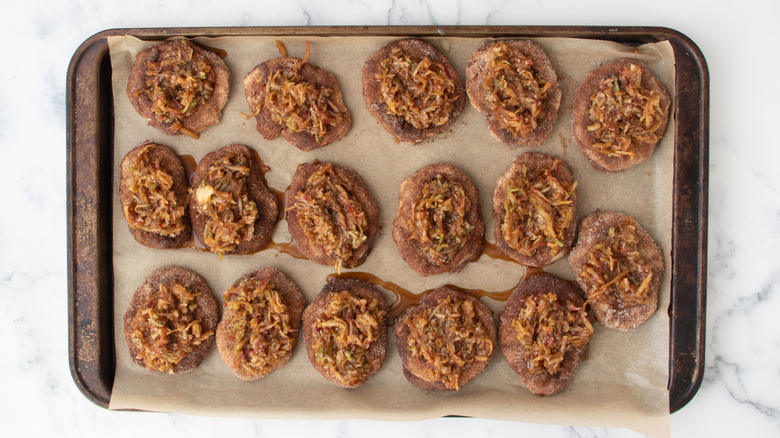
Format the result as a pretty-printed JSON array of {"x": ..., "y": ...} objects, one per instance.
[
  {"x": 515, "y": 90},
  {"x": 448, "y": 338},
  {"x": 419, "y": 90},
  {"x": 165, "y": 328},
  {"x": 623, "y": 114},
  {"x": 438, "y": 221},
  {"x": 330, "y": 216},
  {"x": 154, "y": 205},
  {"x": 547, "y": 328},
  {"x": 260, "y": 324},
  {"x": 344, "y": 333},
  {"x": 298, "y": 105},
  {"x": 538, "y": 211},
  {"x": 223, "y": 197},
  {"x": 177, "y": 82},
  {"x": 615, "y": 271}
]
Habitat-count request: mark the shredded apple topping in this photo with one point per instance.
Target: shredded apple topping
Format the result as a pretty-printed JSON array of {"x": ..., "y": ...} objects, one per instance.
[
  {"x": 419, "y": 90},
  {"x": 154, "y": 205},
  {"x": 165, "y": 328},
  {"x": 223, "y": 197},
  {"x": 515, "y": 90},
  {"x": 615, "y": 271},
  {"x": 330, "y": 216},
  {"x": 260, "y": 324},
  {"x": 177, "y": 82},
  {"x": 448, "y": 338},
  {"x": 438, "y": 220},
  {"x": 538, "y": 211},
  {"x": 547, "y": 328},
  {"x": 343, "y": 334},
  {"x": 298, "y": 105},
  {"x": 622, "y": 114}
]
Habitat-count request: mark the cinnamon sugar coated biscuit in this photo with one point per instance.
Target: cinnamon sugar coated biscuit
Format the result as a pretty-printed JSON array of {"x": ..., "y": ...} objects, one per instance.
[
  {"x": 179, "y": 87},
  {"x": 259, "y": 328},
  {"x": 170, "y": 321},
  {"x": 154, "y": 196},
  {"x": 619, "y": 267},
  {"x": 297, "y": 99},
  {"x": 621, "y": 112},
  {"x": 439, "y": 226},
  {"x": 232, "y": 209},
  {"x": 446, "y": 340},
  {"x": 545, "y": 332},
  {"x": 332, "y": 217},
  {"x": 513, "y": 83},
  {"x": 345, "y": 332},
  {"x": 412, "y": 90},
  {"x": 535, "y": 205}
]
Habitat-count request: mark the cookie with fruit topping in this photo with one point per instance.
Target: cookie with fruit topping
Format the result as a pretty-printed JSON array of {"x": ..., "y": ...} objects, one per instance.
[
  {"x": 294, "y": 98},
  {"x": 179, "y": 87},
  {"x": 621, "y": 112},
  {"x": 259, "y": 327},
  {"x": 412, "y": 90},
  {"x": 544, "y": 332},
  {"x": 154, "y": 195},
  {"x": 232, "y": 208},
  {"x": 619, "y": 268},
  {"x": 513, "y": 83},
  {"x": 439, "y": 226}
]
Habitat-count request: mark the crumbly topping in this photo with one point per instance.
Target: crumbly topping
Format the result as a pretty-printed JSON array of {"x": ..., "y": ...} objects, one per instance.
[
  {"x": 298, "y": 105},
  {"x": 515, "y": 90},
  {"x": 177, "y": 83},
  {"x": 260, "y": 324},
  {"x": 330, "y": 216},
  {"x": 547, "y": 327},
  {"x": 344, "y": 332},
  {"x": 165, "y": 329},
  {"x": 538, "y": 210},
  {"x": 448, "y": 338},
  {"x": 223, "y": 197},
  {"x": 615, "y": 271},
  {"x": 417, "y": 89},
  {"x": 153, "y": 206},
  {"x": 438, "y": 221},
  {"x": 622, "y": 114}
]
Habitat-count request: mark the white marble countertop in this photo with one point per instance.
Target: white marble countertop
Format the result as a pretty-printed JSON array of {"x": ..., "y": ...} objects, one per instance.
[{"x": 739, "y": 395}]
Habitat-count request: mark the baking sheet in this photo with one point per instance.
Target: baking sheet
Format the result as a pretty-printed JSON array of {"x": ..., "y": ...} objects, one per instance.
[{"x": 624, "y": 380}]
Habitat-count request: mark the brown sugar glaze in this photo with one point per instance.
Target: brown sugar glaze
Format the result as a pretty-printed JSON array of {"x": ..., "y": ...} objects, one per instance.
[{"x": 405, "y": 298}]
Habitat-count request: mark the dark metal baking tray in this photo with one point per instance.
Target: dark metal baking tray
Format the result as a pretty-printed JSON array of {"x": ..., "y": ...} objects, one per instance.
[{"x": 89, "y": 185}]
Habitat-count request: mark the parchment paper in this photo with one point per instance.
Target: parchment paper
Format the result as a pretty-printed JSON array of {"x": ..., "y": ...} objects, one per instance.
[{"x": 623, "y": 382}]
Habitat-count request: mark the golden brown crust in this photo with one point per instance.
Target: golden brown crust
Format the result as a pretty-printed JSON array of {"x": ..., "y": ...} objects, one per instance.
[
  {"x": 291, "y": 297},
  {"x": 580, "y": 121},
  {"x": 255, "y": 91},
  {"x": 377, "y": 350},
  {"x": 207, "y": 114},
  {"x": 267, "y": 203},
  {"x": 594, "y": 228},
  {"x": 517, "y": 356},
  {"x": 363, "y": 196},
  {"x": 207, "y": 312},
  {"x": 396, "y": 125},
  {"x": 563, "y": 173},
  {"x": 415, "y": 366},
  {"x": 476, "y": 87},
  {"x": 169, "y": 162},
  {"x": 410, "y": 191}
]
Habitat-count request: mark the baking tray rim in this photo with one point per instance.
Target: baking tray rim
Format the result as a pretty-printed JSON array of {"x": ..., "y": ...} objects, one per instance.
[{"x": 89, "y": 331}]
